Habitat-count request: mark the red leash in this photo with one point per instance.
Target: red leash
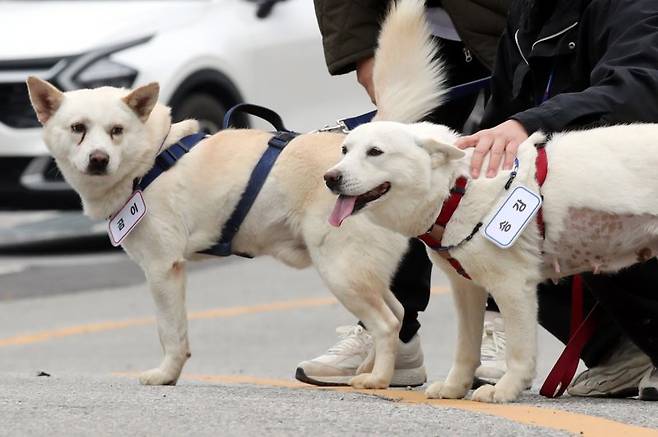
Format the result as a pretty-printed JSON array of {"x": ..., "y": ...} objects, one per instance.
[{"x": 565, "y": 367}]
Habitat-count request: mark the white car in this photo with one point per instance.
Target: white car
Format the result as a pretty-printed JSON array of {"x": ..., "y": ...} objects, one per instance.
[{"x": 207, "y": 55}]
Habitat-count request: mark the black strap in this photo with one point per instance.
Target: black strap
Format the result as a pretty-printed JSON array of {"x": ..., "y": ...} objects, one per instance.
[
  {"x": 454, "y": 93},
  {"x": 256, "y": 181},
  {"x": 265, "y": 113},
  {"x": 468, "y": 88}
]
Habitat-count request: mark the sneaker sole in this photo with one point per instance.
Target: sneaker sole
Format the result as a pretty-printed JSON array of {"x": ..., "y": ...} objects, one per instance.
[
  {"x": 649, "y": 394},
  {"x": 401, "y": 378}
]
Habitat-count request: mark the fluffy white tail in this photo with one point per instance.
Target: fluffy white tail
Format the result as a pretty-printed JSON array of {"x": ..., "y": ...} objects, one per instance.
[{"x": 408, "y": 78}]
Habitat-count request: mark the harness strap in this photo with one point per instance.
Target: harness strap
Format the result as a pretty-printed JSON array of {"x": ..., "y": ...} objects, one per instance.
[
  {"x": 167, "y": 158},
  {"x": 259, "y": 111},
  {"x": 449, "y": 207},
  {"x": 541, "y": 165},
  {"x": 452, "y": 202},
  {"x": 447, "y": 210},
  {"x": 348, "y": 124},
  {"x": 256, "y": 181}
]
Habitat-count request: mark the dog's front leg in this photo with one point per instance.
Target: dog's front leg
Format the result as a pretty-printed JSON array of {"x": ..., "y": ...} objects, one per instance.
[
  {"x": 370, "y": 307},
  {"x": 518, "y": 306},
  {"x": 470, "y": 301},
  {"x": 398, "y": 311},
  {"x": 168, "y": 289}
]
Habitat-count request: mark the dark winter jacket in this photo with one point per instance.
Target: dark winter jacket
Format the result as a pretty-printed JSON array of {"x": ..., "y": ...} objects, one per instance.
[
  {"x": 603, "y": 55},
  {"x": 350, "y": 28}
]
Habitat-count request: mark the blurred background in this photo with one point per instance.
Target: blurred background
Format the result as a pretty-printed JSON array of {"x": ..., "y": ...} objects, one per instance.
[{"x": 207, "y": 55}]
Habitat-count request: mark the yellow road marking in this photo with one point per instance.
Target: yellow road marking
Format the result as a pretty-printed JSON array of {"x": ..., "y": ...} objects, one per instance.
[
  {"x": 581, "y": 424},
  {"x": 216, "y": 313}
]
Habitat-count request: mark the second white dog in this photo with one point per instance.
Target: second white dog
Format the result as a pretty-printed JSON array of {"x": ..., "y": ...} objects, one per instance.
[{"x": 600, "y": 212}]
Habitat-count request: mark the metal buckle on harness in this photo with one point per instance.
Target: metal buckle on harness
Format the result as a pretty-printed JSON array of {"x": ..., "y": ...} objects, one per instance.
[{"x": 340, "y": 126}]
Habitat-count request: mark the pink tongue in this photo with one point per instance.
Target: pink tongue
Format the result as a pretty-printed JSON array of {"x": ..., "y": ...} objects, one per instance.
[{"x": 342, "y": 210}]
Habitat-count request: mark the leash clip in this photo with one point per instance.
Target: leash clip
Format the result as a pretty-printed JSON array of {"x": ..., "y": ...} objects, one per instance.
[{"x": 513, "y": 174}]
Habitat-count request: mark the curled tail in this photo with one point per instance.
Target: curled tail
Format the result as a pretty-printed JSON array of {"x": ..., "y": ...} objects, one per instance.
[{"x": 408, "y": 78}]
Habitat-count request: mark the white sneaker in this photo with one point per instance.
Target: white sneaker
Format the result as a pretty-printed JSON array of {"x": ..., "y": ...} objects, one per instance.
[
  {"x": 339, "y": 364},
  {"x": 492, "y": 351},
  {"x": 618, "y": 377}
]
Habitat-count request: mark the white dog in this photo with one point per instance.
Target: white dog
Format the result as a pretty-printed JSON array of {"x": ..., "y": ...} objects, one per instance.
[
  {"x": 599, "y": 211},
  {"x": 104, "y": 139}
]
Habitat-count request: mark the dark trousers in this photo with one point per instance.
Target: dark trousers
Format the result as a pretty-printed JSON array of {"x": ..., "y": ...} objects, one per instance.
[
  {"x": 411, "y": 284},
  {"x": 629, "y": 303}
]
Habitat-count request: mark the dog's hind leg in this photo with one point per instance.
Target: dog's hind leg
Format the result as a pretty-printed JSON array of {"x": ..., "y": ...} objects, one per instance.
[
  {"x": 168, "y": 289},
  {"x": 470, "y": 302},
  {"x": 517, "y": 301}
]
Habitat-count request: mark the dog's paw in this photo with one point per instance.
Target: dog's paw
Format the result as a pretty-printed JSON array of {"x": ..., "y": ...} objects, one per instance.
[
  {"x": 157, "y": 377},
  {"x": 495, "y": 394},
  {"x": 368, "y": 380},
  {"x": 484, "y": 393},
  {"x": 441, "y": 390}
]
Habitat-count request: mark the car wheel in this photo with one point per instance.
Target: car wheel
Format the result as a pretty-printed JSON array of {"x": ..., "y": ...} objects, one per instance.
[{"x": 203, "y": 107}]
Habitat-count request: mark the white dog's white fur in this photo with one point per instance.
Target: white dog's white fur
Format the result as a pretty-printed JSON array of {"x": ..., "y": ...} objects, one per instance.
[
  {"x": 188, "y": 205},
  {"x": 600, "y": 213}
]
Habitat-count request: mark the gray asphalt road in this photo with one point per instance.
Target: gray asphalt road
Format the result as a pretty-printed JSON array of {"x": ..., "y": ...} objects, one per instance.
[{"x": 85, "y": 319}]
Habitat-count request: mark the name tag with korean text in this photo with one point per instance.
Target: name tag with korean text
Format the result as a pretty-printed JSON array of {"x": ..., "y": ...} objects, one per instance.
[
  {"x": 127, "y": 218},
  {"x": 512, "y": 217}
]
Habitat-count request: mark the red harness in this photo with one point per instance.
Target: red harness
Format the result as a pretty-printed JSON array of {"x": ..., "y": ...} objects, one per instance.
[
  {"x": 581, "y": 329},
  {"x": 451, "y": 204}
]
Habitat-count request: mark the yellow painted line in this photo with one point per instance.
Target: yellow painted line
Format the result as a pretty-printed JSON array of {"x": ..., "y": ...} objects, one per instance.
[
  {"x": 576, "y": 423},
  {"x": 215, "y": 313}
]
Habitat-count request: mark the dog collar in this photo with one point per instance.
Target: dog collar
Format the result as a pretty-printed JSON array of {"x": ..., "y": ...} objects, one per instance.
[{"x": 433, "y": 237}]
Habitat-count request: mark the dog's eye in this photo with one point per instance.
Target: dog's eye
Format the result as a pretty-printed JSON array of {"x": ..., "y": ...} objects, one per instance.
[
  {"x": 78, "y": 128},
  {"x": 344, "y": 150},
  {"x": 116, "y": 130},
  {"x": 374, "y": 151}
]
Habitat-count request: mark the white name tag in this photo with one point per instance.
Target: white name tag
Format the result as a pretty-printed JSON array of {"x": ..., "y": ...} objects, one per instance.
[
  {"x": 127, "y": 218},
  {"x": 512, "y": 217}
]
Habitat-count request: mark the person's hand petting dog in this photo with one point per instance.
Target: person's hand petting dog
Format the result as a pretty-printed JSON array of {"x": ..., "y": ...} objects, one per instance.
[{"x": 501, "y": 141}]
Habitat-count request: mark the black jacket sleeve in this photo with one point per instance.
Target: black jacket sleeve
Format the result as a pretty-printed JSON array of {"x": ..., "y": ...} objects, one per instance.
[
  {"x": 349, "y": 31},
  {"x": 624, "y": 79}
]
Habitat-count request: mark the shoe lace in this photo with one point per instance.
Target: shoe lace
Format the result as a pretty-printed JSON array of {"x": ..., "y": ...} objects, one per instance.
[
  {"x": 352, "y": 339},
  {"x": 493, "y": 343}
]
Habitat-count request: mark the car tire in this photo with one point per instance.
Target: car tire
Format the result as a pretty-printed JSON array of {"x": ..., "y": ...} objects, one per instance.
[{"x": 205, "y": 108}]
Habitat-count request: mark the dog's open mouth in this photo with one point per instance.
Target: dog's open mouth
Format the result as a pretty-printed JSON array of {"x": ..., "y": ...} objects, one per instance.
[{"x": 348, "y": 205}]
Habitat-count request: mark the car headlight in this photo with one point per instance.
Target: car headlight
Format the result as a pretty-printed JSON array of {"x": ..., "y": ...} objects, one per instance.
[
  {"x": 96, "y": 68},
  {"x": 106, "y": 72}
]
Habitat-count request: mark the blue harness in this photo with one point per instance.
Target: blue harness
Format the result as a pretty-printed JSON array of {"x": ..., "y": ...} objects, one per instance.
[
  {"x": 282, "y": 136},
  {"x": 167, "y": 158}
]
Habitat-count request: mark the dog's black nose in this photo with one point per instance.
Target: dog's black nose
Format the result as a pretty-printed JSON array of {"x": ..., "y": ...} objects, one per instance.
[
  {"x": 98, "y": 162},
  {"x": 333, "y": 179}
]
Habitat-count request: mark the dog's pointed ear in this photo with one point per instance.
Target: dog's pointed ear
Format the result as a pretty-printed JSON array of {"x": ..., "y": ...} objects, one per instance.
[
  {"x": 142, "y": 100},
  {"x": 440, "y": 151},
  {"x": 45, "y": 98}
]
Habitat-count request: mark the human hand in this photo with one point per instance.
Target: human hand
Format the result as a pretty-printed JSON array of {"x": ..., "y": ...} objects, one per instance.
[
  {"x": 364, "y": 76},
  {"x": 501, "y": 141}
]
